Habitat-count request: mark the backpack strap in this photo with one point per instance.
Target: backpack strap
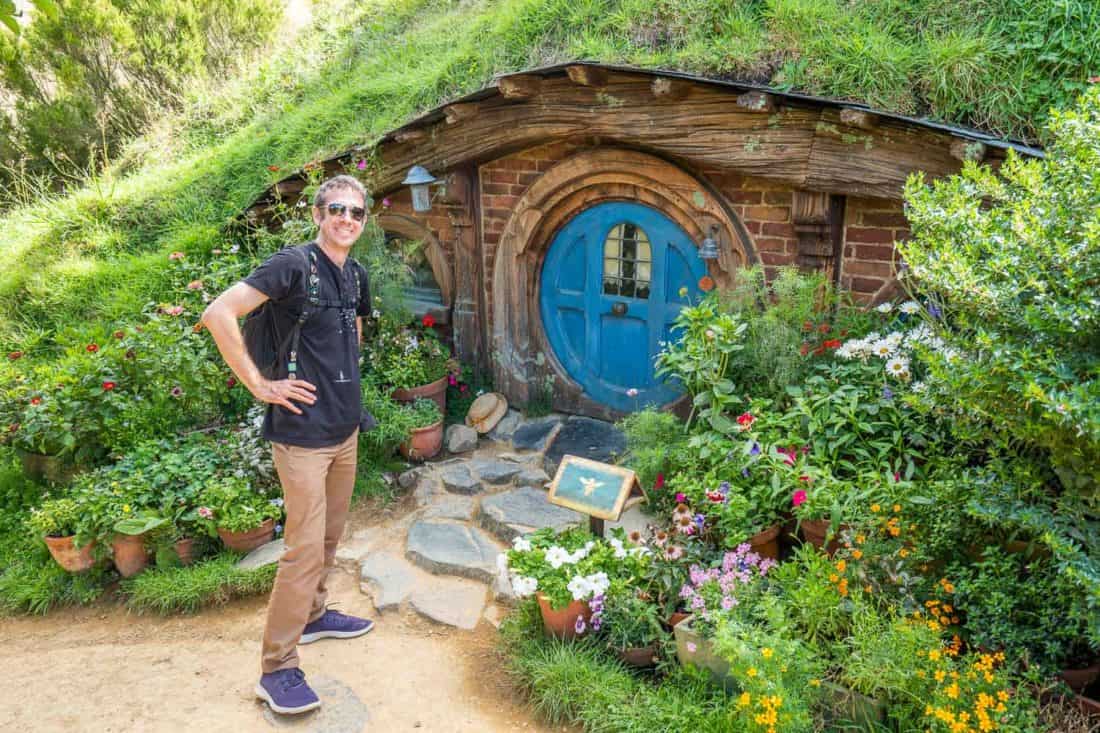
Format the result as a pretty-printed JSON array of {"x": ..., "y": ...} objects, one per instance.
[{"x": 313, "y": 280}]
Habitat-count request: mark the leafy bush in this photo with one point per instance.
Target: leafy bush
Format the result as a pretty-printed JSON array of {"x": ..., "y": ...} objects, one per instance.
[
  {"x": 213, "y": 582},
  {"x": 55, "y": 518},
  {"x": 1013, "y": 256},
  {"x": 232, "y": 504}
]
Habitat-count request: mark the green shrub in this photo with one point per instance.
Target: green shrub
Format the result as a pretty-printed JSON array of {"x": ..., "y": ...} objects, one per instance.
[
  {"x": 213, "y": 582},
  {"x": 55, "y": 518}
]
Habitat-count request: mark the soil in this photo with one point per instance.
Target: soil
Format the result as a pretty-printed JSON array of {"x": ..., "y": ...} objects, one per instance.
[{"x": 106, "y": 670}]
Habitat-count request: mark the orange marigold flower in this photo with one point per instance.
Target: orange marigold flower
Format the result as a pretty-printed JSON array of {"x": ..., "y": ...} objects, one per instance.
[{"x": 876, "y": 508}]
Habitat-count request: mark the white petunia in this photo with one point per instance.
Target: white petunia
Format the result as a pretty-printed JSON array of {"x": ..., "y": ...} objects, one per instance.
[
  {"x": 580, "y": 588},
  {"x": 598, "y": 582},
  {"x": 898, "y": 367},
  {"x": 617, "y": 545},
  {"x": 909, "y": 307},
  {"x": 885, "y": 307},
  {"x": 524, "y": 586},
  {"x": 522, "y": 544},
  {"x": 557, "y": 556}
]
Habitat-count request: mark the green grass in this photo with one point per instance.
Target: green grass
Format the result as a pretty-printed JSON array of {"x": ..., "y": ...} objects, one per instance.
[
  {"x": 212, "y": 582},
  {"x": 99, "y": 253}
]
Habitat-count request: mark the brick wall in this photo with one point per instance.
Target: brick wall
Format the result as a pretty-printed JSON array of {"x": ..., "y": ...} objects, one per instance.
[{"x": 871, "y": 226}]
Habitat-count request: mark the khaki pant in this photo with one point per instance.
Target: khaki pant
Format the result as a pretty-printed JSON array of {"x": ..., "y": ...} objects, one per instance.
[{"x": 317, "y": 486}]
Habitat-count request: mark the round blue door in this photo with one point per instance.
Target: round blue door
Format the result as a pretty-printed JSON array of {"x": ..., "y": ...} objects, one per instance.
[{"x": 610, "y": 289}]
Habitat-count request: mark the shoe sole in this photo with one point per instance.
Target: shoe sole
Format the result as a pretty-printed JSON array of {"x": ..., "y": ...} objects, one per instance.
[
  {"x": 318, "y": 635},
  {"x": 266, "y": 697}
]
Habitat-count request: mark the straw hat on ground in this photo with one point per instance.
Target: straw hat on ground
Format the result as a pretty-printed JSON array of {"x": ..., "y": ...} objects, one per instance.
[{"x": 486, "y": 411}]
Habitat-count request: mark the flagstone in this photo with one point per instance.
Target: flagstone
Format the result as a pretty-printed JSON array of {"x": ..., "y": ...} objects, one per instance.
[
  {"x": 514, "y": 513},
  {"x": 444, "y": 548}
]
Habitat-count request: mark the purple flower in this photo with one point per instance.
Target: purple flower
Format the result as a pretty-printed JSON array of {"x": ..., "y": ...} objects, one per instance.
[
  {"x": 728, "y": 602},
  {"x": 934, "y": 310},
  {"x": 177, "y": 391},
  {"x": 361, "y": 165},
  {"x": 278, "y": 529},
  {"x": 580, "y": 626},
  {"x": 691, "y": 647},
  {"x": 597, "y": 622},
  {"x": 887, "y": 393},
  {"x": 724, "y": 487},
  {"x": 755, "y": 450},
  {"x": 745, "y": 472},
  {"x": 698, "y": 602},
  {"x": 700, "y": 521}
]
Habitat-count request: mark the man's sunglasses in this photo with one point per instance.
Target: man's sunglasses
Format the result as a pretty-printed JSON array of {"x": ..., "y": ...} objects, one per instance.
[{"x": 335, "y": 208}]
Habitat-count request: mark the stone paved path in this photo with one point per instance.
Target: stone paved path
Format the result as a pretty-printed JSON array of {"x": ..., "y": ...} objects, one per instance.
[{"x": 440, "y": 561}]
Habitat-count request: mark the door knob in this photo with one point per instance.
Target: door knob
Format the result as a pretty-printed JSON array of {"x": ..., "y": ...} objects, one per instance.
[{"x": 618, "y": 309}]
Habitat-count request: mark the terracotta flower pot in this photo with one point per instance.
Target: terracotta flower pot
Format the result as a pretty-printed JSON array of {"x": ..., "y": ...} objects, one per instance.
[
  {"x": 562, "y": 623},
  {"x": 423, "y": 443},
  {"x": 1088, "y": 707},
  {"x": 131, "y": 556},
  {"x": 693, "y": 648},
  {"x": 766, "y": 543},
  {"x": 1079, "y": 679},
  {"x": 250, "y": 539},
  {"x": 641, "y": 657},
  {"x": 814, "y": 532},
  {"x": 677, "y": 617},
  {"x": 436, "y": 391},
  {"x": 184, "y": 550},
  {"x": 69, "y": 557}
]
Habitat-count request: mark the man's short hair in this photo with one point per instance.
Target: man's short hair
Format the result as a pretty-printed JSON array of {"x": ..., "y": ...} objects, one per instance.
[{"x": 338, "y": 183}]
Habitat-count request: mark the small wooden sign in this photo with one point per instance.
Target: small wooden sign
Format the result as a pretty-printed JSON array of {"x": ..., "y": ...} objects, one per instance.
[{"x": 593, "y": 488}]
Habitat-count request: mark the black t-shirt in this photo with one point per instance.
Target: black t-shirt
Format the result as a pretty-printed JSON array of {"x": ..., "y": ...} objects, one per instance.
[{"x": 328, "y": 348}]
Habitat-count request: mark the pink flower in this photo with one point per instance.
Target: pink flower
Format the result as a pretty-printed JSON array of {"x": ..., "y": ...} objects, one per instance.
[
  {"x": 362, "y": 164},
  {"x": 206, "y": 512},
  {"x": 386, "y": 203},
  {"x": 174, "y": 310},
  {"x": 452, "y": 380},
  {"x": 194, "y": 285},
  {"x": 176, "y": 256},
  {"x": 799, "y": 497},
  {"x": 691, "y": 647},
  {"x": 680, "y": 498},
  {"x": 632, "y": 392}
]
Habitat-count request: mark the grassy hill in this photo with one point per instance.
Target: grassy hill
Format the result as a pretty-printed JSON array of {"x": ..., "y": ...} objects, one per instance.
[{"x": 77, "y": 263}]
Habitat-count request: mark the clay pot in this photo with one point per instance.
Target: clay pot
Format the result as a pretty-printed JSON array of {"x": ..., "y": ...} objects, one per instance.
[
  {"x": 69, "y": 557},
  {"x": 766, "y": 543},
  {"x": 130, "y": 554},
  {"x": 436, "y": 391},
  {"x": 562, "y": 623},
  {"x": 693, "y": 648},
  {"x": 184, "y": 550},
  {"x": 423, "y": 443},
  {"x": 250, "y": 539},
  {"x": 641, "y": 657},
  {"x": 814, "y": 532},
  {"x": 1088, "y": 707},
  {"x": 1079, "y": 679},
  {"x": 677, "y": 617}
]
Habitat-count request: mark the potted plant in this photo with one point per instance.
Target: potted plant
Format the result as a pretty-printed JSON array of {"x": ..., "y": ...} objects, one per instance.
[
  {"x": 712, "y": 593},
  {"x": 56, "y": 521},
  {"x": 243, "y": 518},
  {"x": 426, "y": 431},
  {"x": 630, "y": 624},
  {"x": 129, "y": 543},
  {"x": 567, "y": 570},
  {"x": 411, "y": 360}
]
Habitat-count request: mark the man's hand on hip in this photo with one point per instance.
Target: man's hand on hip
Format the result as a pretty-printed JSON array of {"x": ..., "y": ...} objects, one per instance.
[{"x": 282, "y": 391}]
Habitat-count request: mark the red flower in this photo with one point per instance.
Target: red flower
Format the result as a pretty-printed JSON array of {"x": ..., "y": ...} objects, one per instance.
[
  {"x": 108, "y": 386},
  {"x": 36, "y": 400},
  {"x": 463, "y": 387},
  {"x": 804, "y": 349},
  {"x": 897, "y": 476},
  {"x": 832, "y": 344},
  {"x": 273, "y": 168},
  {"x": 119, "y": 334},
  {"x": 745, "y": 420},
  {"x": 428, "y": 320},
  {"x": 799, "y": 497},
  {"x": 807, "y": 326},
  {"x": 824, "y": 328},
  {"x": 13, "y": 355},
  {"x": 659, "y": 483},
  {"x": 804, "y": 477},
  {"x": 231, "y": 382},
  {"x": 194, "y": 285},
  {"x": 91, "y": 348},
  {"x": 176, "y": 256},
  {"x": 819, "y": 350}
]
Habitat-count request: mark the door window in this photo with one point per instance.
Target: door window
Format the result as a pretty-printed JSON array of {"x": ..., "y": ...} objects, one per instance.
[{"x": 627, "y": 262}]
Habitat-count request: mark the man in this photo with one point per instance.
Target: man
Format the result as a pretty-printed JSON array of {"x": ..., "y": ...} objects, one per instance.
[{"x": 312, "y": 422}]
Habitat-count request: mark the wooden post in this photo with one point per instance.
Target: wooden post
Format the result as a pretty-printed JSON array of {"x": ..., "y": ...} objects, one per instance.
[{"x": 595, "y": 526}]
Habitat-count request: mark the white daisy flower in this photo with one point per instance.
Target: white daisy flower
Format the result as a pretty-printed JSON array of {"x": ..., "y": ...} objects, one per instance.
[
  {"x": 522, "y": 544},
  {"x": 883, "y": 348},
  {"x": 898, "y": 367},
  {"x": 909, "y": 307},
  {"x": 885, "y": 307}
]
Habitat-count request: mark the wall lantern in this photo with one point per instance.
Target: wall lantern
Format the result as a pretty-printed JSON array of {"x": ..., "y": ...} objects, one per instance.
[
  {"x": 418, "y": 180},
  {"x": 708, "y": 250}
]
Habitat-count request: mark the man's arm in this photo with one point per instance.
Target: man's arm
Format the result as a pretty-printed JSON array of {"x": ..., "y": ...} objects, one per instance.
[{"x": 220, "y": 318}]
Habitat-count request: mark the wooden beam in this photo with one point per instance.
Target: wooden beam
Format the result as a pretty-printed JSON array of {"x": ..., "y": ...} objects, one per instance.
[
  {"x": 671, "y": 89},
  {"x": 460, "y": 111},
  {"x": 963, "y": 149},
  {"x": 589, "y": 76},
  {"x": 860, "y": 118},
  {"x": 519, "y": 86},
  {"x": 756, "y": 102},
  {"x": 410, "y": 135}
]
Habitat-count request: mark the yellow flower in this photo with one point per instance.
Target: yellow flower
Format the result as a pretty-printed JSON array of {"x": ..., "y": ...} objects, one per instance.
[
  {"x": 857, "y": 554},
  {"x": 876, "y": 508},
  {"x": 833, "y": 577},
  {"x": 903, "y": 552},
  {"x": 897, "y": 508},
  {"x": 744, "y": 700},
  {"x": 751, "y": 671},
  {"x": 766, "y": 653},
  {"x": 934, "y": 654},
  {"x": 939, "y": 675},
  {"x": 815, "y": 682},
  {"x": 953, "y": 691},
  {"x": 125, "y": 508},
  {"x": 1002, "y": 695},
  {"x": 860, "y": 539}
]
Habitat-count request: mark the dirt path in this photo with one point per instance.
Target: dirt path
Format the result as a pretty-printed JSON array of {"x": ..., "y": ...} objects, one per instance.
[{"x": 102, "y": 669}]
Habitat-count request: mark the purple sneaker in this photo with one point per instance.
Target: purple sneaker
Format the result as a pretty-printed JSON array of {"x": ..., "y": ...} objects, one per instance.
[
  {"x": 286, "y": 691},
  {"x": 335, "y": 625}
]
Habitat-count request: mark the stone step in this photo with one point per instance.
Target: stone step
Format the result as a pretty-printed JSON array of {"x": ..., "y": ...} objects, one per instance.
[
  {"x": 388, "y": 579},
  {"x": 450, "y": 601},
  {"x": 459, "y": 479},
  {"x": 446, "y": 548},
  {"x": 517, "y": 512},
  {"x": 587, "y": 438}
]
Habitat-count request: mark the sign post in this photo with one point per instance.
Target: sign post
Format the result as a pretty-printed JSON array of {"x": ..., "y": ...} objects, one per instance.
[{"x": 597, "y": 489}]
